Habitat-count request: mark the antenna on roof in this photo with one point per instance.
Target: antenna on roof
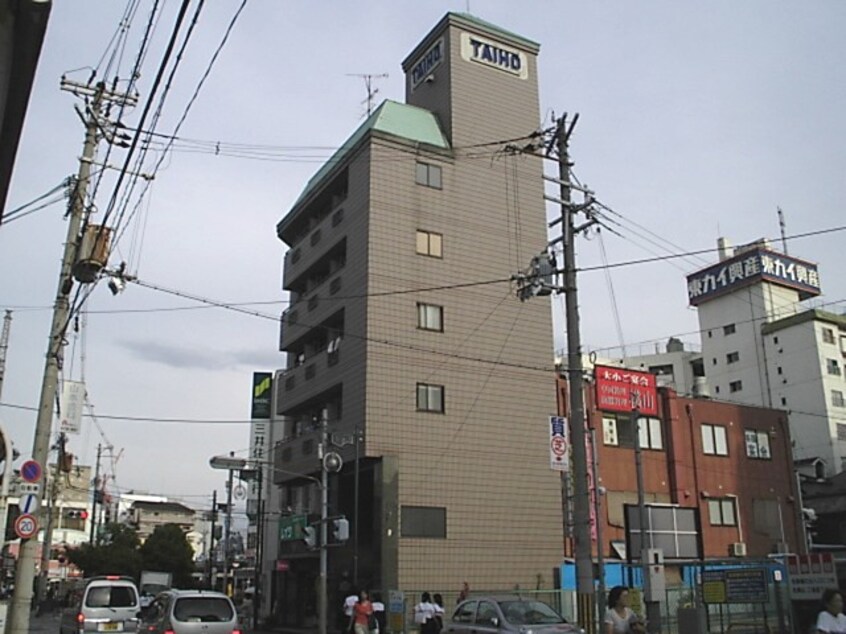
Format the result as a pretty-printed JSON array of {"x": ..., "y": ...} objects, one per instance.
[
  {"x": 783, "y": 228},
  {"x": 371, "y": 91}
]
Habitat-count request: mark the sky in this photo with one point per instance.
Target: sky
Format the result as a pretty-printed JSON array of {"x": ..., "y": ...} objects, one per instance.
[{"x": 696, "y": 120}]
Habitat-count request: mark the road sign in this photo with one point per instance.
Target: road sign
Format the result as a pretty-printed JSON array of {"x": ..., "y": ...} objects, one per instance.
[
  {"x": 29, "y": 503},
  {"x": 31, "y": 471},
  {"x": 26, "y": 526},
  {"x": 559, "y": 460}
]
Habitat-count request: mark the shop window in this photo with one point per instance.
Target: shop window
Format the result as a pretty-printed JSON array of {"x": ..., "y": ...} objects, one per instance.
[{"x": 757, "y": 444}]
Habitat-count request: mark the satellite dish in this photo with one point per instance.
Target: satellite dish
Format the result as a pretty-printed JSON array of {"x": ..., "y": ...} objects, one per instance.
[{"x": 332, "y": 462}]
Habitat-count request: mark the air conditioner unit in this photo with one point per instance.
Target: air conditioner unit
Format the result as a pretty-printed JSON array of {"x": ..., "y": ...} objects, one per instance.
[{"x": 738, "y": 549}]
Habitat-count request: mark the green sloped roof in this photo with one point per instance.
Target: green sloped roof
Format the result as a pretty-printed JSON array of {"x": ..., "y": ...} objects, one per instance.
[
  {"x": 391, "y": 117},
  {"x": 493, "y": 28}
]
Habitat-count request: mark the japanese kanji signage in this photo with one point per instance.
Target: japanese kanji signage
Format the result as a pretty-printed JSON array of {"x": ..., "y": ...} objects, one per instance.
[
  {"x": 811, "y": 574},
  {"x": 753, "y": 266},
  {"x": 559, "y": 445},
  {"x": 622, "y": 390}
]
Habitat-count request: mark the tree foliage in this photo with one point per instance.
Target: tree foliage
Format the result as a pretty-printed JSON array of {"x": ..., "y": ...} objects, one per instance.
[
  {"x": 116, "y": 554},
  {"x": 120, "y": 553},
  {"x": 168, "y": 550}
]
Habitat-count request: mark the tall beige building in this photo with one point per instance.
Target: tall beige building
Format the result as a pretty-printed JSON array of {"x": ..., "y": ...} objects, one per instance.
[{"x": 403, "y": 327}]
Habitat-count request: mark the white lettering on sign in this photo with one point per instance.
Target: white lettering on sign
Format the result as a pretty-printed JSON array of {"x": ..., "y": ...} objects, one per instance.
[
  {"x": 430, "y": 60},
  {"x": 494, "y": 54},
  {"x": 748, "y": 268}
]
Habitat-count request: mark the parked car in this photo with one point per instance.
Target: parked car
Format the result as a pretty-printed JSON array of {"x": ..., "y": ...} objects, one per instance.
[
  {"x": 191, "y": 612},
  {"x": 487, "y": 615},
  {"x": 102, "y": 604}
]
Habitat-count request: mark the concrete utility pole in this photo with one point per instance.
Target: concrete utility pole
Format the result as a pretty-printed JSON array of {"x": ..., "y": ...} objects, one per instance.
[
  {"x": 18, "y": 622},
  {"x": 575, "y": 374},
  {"x": 50, "y": 522},
  {"x": 322, "y": 620},
  {"x": 93, "y": 534},
  {"x": 212, "y": 556},
  {"x": 227, "y": 531},
  {"x": 539, "y": 282},
  {"x": 4, "y": 346}
]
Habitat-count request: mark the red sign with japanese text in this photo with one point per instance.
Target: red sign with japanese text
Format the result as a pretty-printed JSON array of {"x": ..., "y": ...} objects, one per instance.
[{"x": 623, "y": 390}]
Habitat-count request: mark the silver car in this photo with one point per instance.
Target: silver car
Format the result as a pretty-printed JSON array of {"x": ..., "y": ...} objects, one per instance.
[
  {"x": 507, "y": 614},
  {"x": 191, "y": 612},
  {"x": 103, "y": 604}
]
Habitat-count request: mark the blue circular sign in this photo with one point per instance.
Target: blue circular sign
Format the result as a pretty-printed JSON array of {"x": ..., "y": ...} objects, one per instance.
[{"x": 31, "y": 471}]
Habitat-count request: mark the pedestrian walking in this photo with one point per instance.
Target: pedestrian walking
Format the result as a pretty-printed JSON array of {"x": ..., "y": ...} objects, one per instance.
[
  {"x": 424, "y": 615},
  {"x": 440, "y": 613},
  {"x": 362, "y": 613},
  {"x": 831, "y": 619}
]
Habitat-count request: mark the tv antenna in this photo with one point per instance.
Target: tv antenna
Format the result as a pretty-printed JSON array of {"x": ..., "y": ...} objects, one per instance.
[{"x": 371, "y": 91}]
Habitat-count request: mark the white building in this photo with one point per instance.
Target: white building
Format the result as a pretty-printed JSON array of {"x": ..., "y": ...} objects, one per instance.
[{"x": 762, "y": 346}]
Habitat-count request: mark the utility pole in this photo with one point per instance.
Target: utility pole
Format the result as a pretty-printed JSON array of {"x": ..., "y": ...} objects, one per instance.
[
  {"x": 18, "y": 622},
  {"x": 539, "y": 282},
  {"x": 4, "y": 346},
  {"x": 322, "y": 620},
  {"x": 575, "y": 375},
  {"x": 643, "y": 519},
  {"x": 227, "y": 531},
  {"x": 356, "y": 503},
  {"x": 212, "y": 557},
  {"x": 93, "y": 534},
  {"x": 47, "y": 548}
]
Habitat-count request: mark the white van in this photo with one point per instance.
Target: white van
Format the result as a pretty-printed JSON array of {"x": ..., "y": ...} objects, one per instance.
[{"x": 103, "y": 604}]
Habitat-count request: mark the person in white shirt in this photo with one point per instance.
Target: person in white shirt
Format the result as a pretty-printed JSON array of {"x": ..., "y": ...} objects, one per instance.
[
  {"x": 831, "y": 620},
  {"x": 424, "y": 614},
  {"x": 349, "y": 605}
]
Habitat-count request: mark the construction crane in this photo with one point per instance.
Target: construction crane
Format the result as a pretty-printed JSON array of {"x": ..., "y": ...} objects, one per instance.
[{"x": 4, "y": 346}]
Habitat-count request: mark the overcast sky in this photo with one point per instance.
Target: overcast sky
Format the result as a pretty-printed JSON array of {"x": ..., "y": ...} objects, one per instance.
[{"x": 696, "y": 120}]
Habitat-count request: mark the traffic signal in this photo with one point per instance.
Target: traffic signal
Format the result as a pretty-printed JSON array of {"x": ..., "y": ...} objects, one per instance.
[
  {"x": 341, "y": 529},
  {"x": 76, "y": 514},
  {"x": 310, "y": 536}
]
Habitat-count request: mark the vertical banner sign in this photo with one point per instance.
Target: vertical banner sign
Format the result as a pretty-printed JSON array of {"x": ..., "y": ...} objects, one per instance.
[
  {"x": 72, "y": 402},
  {"x": 559, "y": 445},
  {"x": 622, "y": 390},
  {"x": 262, "y": 391}
]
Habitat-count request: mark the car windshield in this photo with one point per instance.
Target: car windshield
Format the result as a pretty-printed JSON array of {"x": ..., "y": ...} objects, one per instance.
[
  {"x": 202, "y": 609},
  {"x": 529, "y": 613},
  {"x": 111, "y": 597}
]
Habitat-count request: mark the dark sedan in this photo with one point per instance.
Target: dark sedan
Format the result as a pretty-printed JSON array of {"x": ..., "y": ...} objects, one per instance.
[{"x": 494, "y": 615}]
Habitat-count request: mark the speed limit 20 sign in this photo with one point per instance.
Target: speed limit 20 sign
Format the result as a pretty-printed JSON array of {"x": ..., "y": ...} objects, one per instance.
[{"x": 26, "y": 526}]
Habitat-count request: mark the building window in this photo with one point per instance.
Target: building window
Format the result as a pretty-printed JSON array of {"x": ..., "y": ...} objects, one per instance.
[
  {"x": 714, "y": 361},
  {"x": 714, "y": 440},
  {"x": 430, "y": 244},
  {"x": 732, "y": 357},
  {"x": 780, "y": 371},
  {"x": 828, "y": 335},
  {"x": 841, "y": 431},
  {"x": 837, "y": 398},
  {"x": 430, "y": 398},
  {"x": 710, "y": 334},
  {"x": 423, "y": 521},
  {"x": 735, "y": 386},
  {"x": 430, "y": 317},
  {"x": 729, "y": 329},
  {"x": 784, "y": 401},
  {"x": 649, "y": 432},
  {"x": 617, "y": 431},
  {"x": 722, "y": 512},
  {"x": 757, "y": 444},
  {"x": 428, "y": 175},
  {"x": 832, "y": 366}
]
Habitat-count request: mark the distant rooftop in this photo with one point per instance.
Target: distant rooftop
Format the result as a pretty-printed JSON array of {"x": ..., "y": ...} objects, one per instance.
[
  {"x": 815, "y": 314},
  {"x": 166, "y": 507}
]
